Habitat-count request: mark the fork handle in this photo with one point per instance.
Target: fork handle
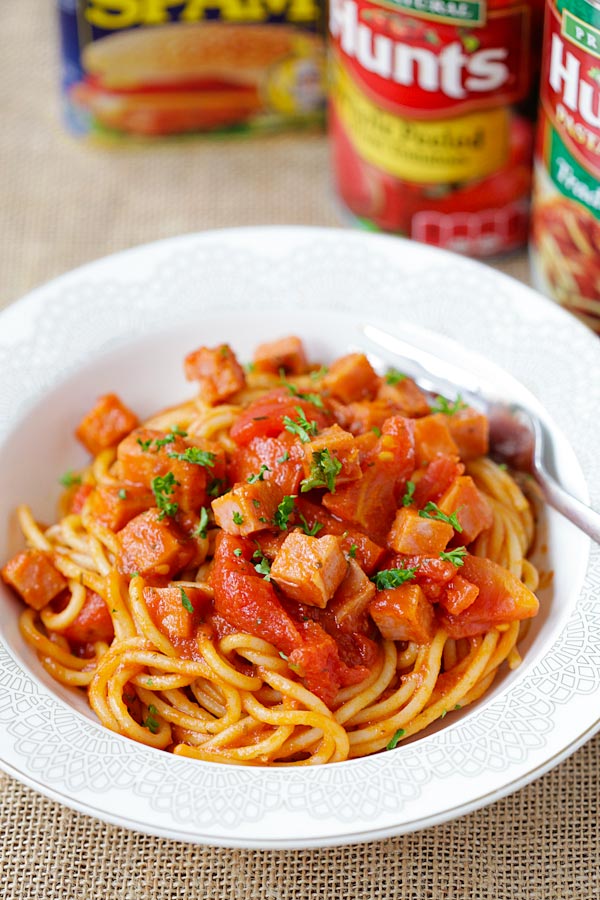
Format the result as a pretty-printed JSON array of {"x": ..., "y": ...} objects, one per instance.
[{"x": 581, "y": 515}]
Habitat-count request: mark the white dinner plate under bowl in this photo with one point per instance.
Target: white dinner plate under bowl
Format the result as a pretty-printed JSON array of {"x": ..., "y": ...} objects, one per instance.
[{"x": 124, "y": 324}]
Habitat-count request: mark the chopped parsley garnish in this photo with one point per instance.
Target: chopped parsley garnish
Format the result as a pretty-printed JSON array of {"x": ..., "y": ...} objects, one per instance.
[
  {"x": 398, "y": 735},
  {"x": 448, "y": 407},
  {"x": 69, "y": 479},
  {"x": 432, "y": 511},
  {"x": 256, "y": 503},
  {"x": 237, "y": 551},
  {"x": 443, "y": 714},
  {"x": 238, "y": 518},
  {"x": 311, "y": 530},
  {"x": 258, "y": 476},
  {"x": 162, "y": 488},
  {"x": 175, "y": 429},
  {"x": 409, "y": 493},
  {"x": 250, "y": 366},
  {"x": 122, "y": 495},
  {"x": 151, "y": 722},
  {"x": 214, "y": 487},
  {"x": 376, "y": 431},
  {"x": 185, "y": 601},
  {"x": 284, "y": 511},
  {"x": 323, "y": 471},
  {"x": 458, "y": 706},
  {"x": 302, "y": 428},
  {"x": 284, "y": 458},
  {"x": 502, "y": 466},
  {"x": 224, "y": 351},
  {"x": 319, "y": 373},
  {"x": 162, "y": 442},
  {"x": 196, "y": 456},
  {"x": 200, "y": 529},
  {"x": 263, "y": 566},
  {"x": 145, "y": 445},
  {"x": 352, "y": 551},
  {"x": 456, "y": 557},
  {"x": 392, "y": 578},
  {"x": 315, "y": 399},
  {"x": 393, "y": 376}
]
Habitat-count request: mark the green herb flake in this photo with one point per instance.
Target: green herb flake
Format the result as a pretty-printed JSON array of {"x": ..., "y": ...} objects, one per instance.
[
  {"x": 352, "y": 551},
  {"x": 162, "y": 442},
  {"x": 502, "y": 466},
  {"x": 393, "y": 376},
  {"x": 215, "y": 486},
  {"x": 200, "y": 530},
  {"x": 456, "y": 557},
  {"x": 238, "y": 518},
  {"x": 284, "y": 511},
  {"x": 376, "y": 431},
  {"x": 323, "y": 471},
  {"x": 69, "y": 479},
  {"x": 302, "y": 428},
  {"x": 458, "y": 706},
  {"x": 387, "y": 579},
  {"x": 185, "y": 601},
  {"x": 315, "y": 399},
  {"x": 448, "y": 407},
  {"x": 283, "y": 655},
  {"x": 263, "y": 567},
  {"x": 162, "y": 488},
  {"x": 432, "y": 511},
  {"x": 311, "y": 530},
  {"x": 122, "y": 495},
  {"x": 283, "y": 458},
  {"x": 237, "y": 551},
  {"x": 398, "y": 735},
  {"x": 250, "y": 367},
  {"x": 444, "y": 714},
  {"x": 409, "y": 493},
  {"x": 319, "y": 373},
  {"x": 145, "y": 445},
  {"x": 258, "y": 476},
  {"x": 196, "y": 456},
  {"x": 151, "y": 722}
]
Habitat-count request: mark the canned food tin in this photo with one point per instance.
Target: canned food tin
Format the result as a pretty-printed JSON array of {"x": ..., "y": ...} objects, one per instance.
[
  {"x": 432, "y": 118},
  {"x": 143, "y": 69},
  {"x": 565, "y": 249}
]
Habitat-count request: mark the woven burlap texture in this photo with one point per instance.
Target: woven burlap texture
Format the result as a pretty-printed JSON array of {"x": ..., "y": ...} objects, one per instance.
[{"x": 63, "y": 204}]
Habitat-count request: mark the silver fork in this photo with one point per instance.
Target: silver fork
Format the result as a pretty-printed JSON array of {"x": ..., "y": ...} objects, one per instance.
[{"x": 518, "y": 436}]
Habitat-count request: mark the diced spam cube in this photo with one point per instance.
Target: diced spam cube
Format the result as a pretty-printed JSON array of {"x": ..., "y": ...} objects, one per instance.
[
  {"x": 79, "y": 498},
  {"x": 287, "y": 353},
  {"x": 166, "y": 607},
  {"x": 473, "y": 511},
  {"x": 143, "y": 456},
  {"x": 33, "y": 576},
  {"x": 404, "y": 614},
  {"x": 368, "y": 554},
  {"x": 114, "y": 505},
  {"x": 458, "y": 595},
  {"x": 362, "y": 416},
  {"x": 93, "y": 622},
  {"x": 352, "y": 598},
  {"x": 107, "y": 423},
  {"x": 309, "y": 569},
  {"x": 407, "y": 399},
  {"x": 470, "y": 431},
  {"x": 341, "y": 446},
  {"x": 433, "y": 438},
  {"x": 153, "y": 546},
  {"x": 351, "y": 378},
  {"x": 217, "y": 371},
  {"x": 247, "y": 508},
  {"x": 412, "y": 534}
]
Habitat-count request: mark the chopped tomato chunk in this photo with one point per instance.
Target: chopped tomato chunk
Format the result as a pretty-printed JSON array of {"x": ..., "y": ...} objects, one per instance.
[
  {"x": 217, "y": 372},
  {"x": 406, "y": 398},
  {"x": 459, "y": 595},
  {"x": 33, "y": 576},
  {"x": 247, "y": 508},
  {"x": 470, "y": 431},
  {"x": 108, "y": 422},
  {"x": 404, "y": 614},
  {"x": 351, "y": 378},
  {"x": 264, "y": 417},
  {"x": 309, "y": 569},
  {"x": 283, "y": 456},
  {"x": 79, "y": 498},
  {"x": 168, "y": 612},
  {"x": 433, "y": 438},
  {"x": 153, "y": 546},
  {"x": 502, "y": 598},
  {"x": 435, "y": 479},
  {"x": 93, "y": 623},
  {"x": 473, "y": 511},
  {"x": 412, "y": 534},
  {"x": 318, "y": 663},
  {"x": 287, "y": 354}
]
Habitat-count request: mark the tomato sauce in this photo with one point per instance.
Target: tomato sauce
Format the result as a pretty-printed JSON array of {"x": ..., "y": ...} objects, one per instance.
[
  {"x": 566, "y": 212},
  {"x": 431, "y": 118}
]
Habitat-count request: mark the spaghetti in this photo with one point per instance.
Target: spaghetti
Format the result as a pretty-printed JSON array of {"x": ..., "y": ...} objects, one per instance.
[{"x": 298, "y": 566}]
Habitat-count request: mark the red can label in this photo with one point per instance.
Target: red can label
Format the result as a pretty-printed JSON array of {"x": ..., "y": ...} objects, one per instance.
[
  {"x": 425, "y": 140},
  {"x": 566, "y": 225}
]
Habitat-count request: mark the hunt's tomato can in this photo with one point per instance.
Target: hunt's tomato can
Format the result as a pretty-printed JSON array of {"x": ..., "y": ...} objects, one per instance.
[
  {"x": 431, "y": 117},
  {"x": 565, "y": 250}
]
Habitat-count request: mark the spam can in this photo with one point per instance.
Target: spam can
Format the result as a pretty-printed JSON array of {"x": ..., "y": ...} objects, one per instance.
[{"x": 147, "y": 69}]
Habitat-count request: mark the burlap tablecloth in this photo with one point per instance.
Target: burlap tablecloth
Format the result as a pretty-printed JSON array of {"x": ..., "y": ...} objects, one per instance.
[{"x": 63, "y": 204}]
